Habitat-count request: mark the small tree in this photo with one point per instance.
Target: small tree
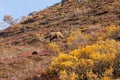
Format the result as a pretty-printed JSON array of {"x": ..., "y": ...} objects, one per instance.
[{"x": 9, "y": 19}]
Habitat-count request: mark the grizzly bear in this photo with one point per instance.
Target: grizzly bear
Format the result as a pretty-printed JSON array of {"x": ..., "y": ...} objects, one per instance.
[{"x": 54, "y": 35}]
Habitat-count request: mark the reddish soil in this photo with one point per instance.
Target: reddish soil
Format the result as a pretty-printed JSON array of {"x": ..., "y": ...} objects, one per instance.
[
  {"x": 19, "y": 57},
  {"x": 72, "y": 15},
  {"x": 25, "y": 64}
]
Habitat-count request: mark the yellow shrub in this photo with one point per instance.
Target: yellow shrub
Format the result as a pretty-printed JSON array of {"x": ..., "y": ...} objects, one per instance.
[
  {"x": 77, "y": 38},
  {"x": 111, "y": 32},
  {"x": 63, "y": 61},
  {"x": 109, "y": 72},
  {"x": 106, "y": 78},
  {"x": 73, "y": 76},
  {"x": 88, "y": 62},
  {"x": 63, "y": 75},
  {"x": 53, "y": 47},
  {"x": 112, "y": 28}
]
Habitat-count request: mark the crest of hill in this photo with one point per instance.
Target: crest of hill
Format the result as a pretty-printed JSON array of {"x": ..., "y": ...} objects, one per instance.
[{"x": 64, "y": 17}]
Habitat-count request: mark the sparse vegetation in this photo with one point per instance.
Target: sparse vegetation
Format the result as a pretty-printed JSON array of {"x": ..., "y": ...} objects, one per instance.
[
  {"x": 9, "y": 19},
  {"x": 77, "y": 38},
  {"x": 88, "y": 47},
  {"x": 53, "y": 47}
]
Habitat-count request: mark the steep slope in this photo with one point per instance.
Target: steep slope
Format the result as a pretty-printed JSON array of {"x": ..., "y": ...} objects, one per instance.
[
  {"x": 89, "y": 19},
  {"x": 72, "y": 14}
]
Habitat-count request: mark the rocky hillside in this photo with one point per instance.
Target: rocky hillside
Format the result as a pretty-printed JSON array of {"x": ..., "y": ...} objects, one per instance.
[
  {"x": 63, "y": 18},
  {"x": 80, "y": 24}
]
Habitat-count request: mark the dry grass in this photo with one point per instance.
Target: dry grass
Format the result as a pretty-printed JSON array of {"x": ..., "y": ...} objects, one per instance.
[{"x": 19, "y": 40}]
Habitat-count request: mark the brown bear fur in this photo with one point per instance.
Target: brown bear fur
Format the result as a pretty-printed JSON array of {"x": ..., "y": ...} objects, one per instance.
[{"x": 55, "y": 35}]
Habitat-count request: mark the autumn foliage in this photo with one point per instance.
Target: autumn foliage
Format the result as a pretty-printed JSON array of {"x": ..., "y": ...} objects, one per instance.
[
  {"x": 89, "y": 50},
  {"x": 94, "y": 61},
  {"x": 87, "y": 63}
]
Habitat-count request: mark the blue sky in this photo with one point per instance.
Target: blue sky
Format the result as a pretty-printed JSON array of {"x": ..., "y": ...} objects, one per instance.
[{"x": 19, "y": 8}]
